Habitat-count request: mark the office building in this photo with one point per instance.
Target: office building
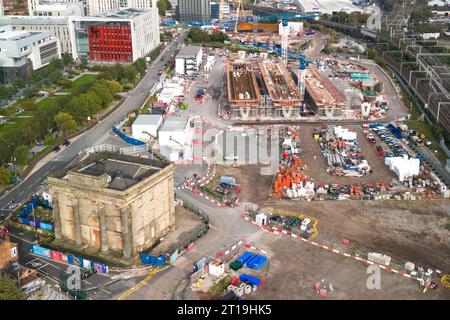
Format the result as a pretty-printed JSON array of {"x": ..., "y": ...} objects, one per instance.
[
  {"x": 188, "y": 60},
  {"x": 59, "y": 26},
  {"x": 194, "y": 11},
  {"x": 23, "y": 51},
  {"x": 120, "y": 36}
]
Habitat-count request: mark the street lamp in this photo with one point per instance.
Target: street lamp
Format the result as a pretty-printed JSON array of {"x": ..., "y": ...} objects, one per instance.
[{"x": 13, "y": 161}]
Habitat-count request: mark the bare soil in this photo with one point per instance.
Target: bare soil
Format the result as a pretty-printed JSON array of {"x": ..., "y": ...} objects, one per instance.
[
  {"x": 295, "y": 267},
  {"x": 405, "y": 230},
  {"x": 254, "y": 187}
]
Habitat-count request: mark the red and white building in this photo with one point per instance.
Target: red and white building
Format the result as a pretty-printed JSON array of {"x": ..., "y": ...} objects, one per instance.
[{"x": 119, "y": 36}]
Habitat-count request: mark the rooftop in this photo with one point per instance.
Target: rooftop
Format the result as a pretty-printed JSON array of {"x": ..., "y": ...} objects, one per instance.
[
  {"x": 173, "y": 124},
  {"x": 124, "y": 13},
  {"x": 189, "y": 51},
  {"x": 147, "y": 119},
  {"x": 122, "y": 171}
]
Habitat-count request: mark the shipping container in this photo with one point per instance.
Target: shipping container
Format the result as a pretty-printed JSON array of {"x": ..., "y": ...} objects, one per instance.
[{"x": 248, "y": 279}]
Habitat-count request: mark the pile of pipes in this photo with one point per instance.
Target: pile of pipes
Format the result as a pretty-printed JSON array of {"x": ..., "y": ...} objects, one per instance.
[
  {"x": 340, "y": 148},
  {"x": 290, "y": 182}
]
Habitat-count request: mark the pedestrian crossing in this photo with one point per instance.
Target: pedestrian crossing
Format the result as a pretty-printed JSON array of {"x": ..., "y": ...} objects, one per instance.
[{"x": 255, "y": 236}]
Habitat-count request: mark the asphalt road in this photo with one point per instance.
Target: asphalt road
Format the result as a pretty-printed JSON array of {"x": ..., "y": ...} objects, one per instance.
[{"x": 94, "y": 136}]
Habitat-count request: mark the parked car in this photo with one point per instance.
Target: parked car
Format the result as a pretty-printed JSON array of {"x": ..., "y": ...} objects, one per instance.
[
  {"x": 428, "y": 143},
  {"x": 231, "y": 157},
  {"x": 56, "y": 148},
  {"x": 66, "y": 143}
]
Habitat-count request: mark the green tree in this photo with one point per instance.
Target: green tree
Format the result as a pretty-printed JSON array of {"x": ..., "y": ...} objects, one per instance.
[
  {"x": 5, "y": 179},
  {"x": 9, "y": 290},
  {"x": 65, "y": 122},
  {"x": 103, "y": 92},
  {"x": 21, "y": 154},
  {"x": 115, "y": 85},
  {"x": 218, "y": 36},
  {"x": 27, "y": 104},
  {"x": 67, "y": 59},
  {"x": 162, "y": 7},
  {"x": 129, "y": 74}
]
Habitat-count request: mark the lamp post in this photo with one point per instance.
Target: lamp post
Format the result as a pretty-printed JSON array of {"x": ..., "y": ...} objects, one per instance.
[{"x": 13, "y": 161}]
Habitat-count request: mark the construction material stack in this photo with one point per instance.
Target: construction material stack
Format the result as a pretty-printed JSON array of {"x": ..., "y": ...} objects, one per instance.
[
  {"x": 340, "y": 149},
  {"x": 290, "y": 182}
]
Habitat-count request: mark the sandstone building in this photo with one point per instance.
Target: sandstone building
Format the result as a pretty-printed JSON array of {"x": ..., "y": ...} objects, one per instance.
[{"x": 112, "y": 202}]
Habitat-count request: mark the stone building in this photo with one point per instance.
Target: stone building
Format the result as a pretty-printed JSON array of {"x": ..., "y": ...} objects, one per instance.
[{"x": 113, "y": 203}]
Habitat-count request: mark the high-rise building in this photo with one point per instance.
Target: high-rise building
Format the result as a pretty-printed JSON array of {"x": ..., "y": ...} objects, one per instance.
[
  {"x": 23, "y": 51},
  {"x": 194, "y": 11}
]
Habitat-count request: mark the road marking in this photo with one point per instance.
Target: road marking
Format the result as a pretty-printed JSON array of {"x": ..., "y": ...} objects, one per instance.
[
  {"x": 87, "y": 282},
  {"x": 46, "y": 264},
  {"x": 106, "y": 291},
  {"x": 129, "y": 292},
  {"x": 32, "y": 261}
]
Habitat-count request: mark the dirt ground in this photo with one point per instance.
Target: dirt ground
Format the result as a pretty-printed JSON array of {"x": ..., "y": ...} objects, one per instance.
[
  {"x": 316, "y": 168},
  {"x": 254, "y": 187},
  {"x": 404, "y": 230},
  {"x": 187, "y": 224},
  {"x": 295, "y": 267}
]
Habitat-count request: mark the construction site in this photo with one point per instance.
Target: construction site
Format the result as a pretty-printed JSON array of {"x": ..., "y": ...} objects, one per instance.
[
  {"x": 261, "y": 90},
  {"x": 325, "y": 98}
]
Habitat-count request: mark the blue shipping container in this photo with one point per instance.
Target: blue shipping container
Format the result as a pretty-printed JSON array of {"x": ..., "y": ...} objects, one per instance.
[
  {"x": 248, "y": 279},
  {"x": 256, "y": 262},
  {"x": 245, "y": 257}
]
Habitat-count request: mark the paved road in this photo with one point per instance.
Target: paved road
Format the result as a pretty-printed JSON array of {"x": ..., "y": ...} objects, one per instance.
[
  {"x": 94, "y": 136},
  {"x": 228, "y": 229}
]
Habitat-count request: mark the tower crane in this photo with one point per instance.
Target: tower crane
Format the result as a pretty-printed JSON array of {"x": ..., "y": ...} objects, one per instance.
[
  {"x": 239, "y": 7},
  {"x": 284, "y": 18},
  {"x": 304, "y": 62}
]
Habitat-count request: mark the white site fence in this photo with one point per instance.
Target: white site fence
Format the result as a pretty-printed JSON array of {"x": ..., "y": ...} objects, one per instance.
[{"x": 112, "y": 148}]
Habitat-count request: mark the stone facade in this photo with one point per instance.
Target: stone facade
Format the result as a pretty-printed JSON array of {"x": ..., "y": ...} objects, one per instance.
[{"x": 119, "y": 214}]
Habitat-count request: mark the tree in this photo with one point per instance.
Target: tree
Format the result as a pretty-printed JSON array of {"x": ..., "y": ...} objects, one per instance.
[
  {"x": 129, "y": 74},
  {"x": 115, "y": 85},
  {"x": 218, "y": 36},
  {"x": 5, "y": 179},
  {"x": 9, "y": 290},
  {"x": 65, "y": 122},
  {"x": 27, "y": 104},
  {"x": 21, "y": 154},
  {"x": 162, "y": 7},
  {"x": 67, "y": 59}
]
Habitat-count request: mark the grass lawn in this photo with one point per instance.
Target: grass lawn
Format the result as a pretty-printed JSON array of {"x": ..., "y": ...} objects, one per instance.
[
  {"x": 84, "y": 79},
  {"x": 425, "y": 128},
  {"x": 46, "y": 102},
  {"x": 14, "y": 123}
]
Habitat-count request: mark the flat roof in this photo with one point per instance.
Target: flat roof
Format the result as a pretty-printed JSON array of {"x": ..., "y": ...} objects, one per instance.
[
  {"x": 329, "y": 6},
  {"x": 148, "y": 119},
  {"x": 124, "y": 171},
  {"x": 189, "y": 51},
  {"x": 124, "y": 13},
  {"x": 174, "y": 124}
]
